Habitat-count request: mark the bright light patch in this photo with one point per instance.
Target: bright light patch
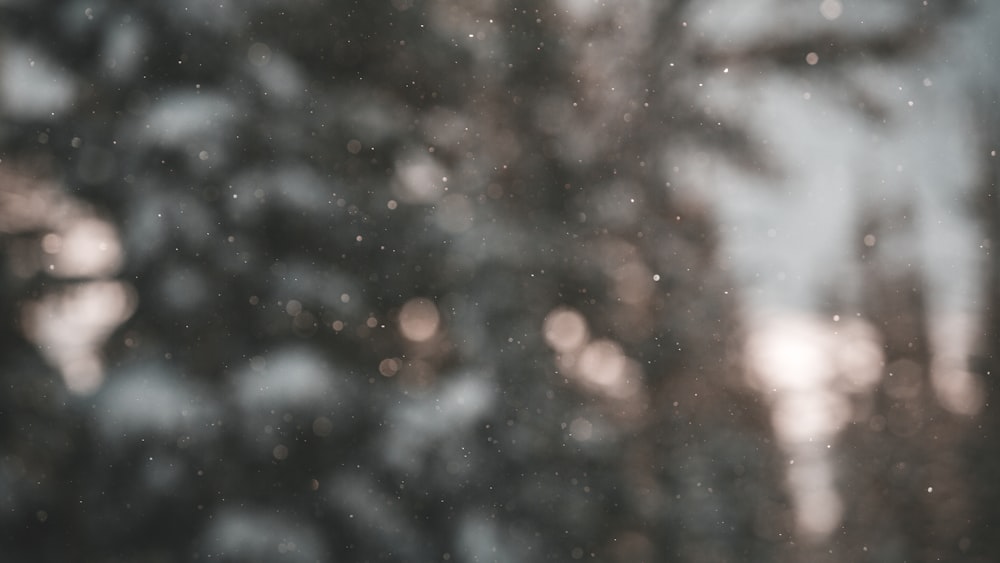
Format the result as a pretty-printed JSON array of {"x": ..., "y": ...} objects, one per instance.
[
  {"x": 859, "y": 358},
  {"x": 958, "y": 390},
  {"x": 419, "y": 320},
  {"x": 819, "y": 510},
  {"x": 420, "y": 181},
  {"x": 816, "y": 414},
  {"x": 808, "y": 368},
  {"x": 565, "y": 329},
  {"x": 70, "y": 327},
  {"x": 790, "y": 354},
  {"x": 603, "y": 366},
  {"x": 599, "y": 365},
  {"x": 71, "y": 323},
  {"x": 89, "y": 247},
  {"x": 831, "y": 9},
  {"x": 602, "y": 363}
]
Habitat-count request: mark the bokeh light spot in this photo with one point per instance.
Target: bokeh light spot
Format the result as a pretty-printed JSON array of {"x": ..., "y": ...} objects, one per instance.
[
  {"x": 565, "y": 329},
  {"x": 389, "y": 367},
  {"x": 419, "y": 319},
  {"x": 322, "y": 426}
]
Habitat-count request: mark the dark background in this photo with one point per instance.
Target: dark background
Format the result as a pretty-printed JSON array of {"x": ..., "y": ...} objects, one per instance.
[{"x": 254, "y": 159}]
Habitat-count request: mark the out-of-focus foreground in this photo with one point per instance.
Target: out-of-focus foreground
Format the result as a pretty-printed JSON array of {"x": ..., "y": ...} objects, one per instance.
[{"x": 498, "y": 281}]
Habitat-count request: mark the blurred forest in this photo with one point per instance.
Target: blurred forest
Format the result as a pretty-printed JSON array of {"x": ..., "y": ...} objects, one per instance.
[{"x": 455, "y": 280}]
